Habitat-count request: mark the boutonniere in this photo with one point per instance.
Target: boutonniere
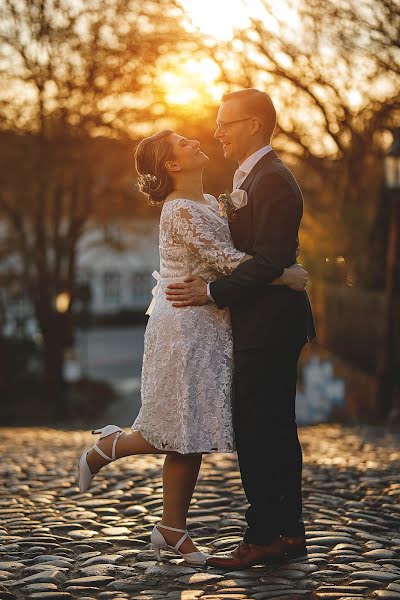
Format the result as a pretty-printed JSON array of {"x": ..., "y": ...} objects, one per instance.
[{"x": 230, "y": 202}]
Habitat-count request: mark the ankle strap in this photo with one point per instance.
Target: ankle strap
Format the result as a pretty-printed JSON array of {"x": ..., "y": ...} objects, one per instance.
[
  {"x": 172, "y": 528},
  {"x": 103, "y": 454},
  {"x": 118, "y": 435},
  {"x": 180, "y": 542}
]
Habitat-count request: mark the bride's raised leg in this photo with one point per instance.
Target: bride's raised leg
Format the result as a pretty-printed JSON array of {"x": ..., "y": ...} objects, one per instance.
[{"x": 128, "y": 444}]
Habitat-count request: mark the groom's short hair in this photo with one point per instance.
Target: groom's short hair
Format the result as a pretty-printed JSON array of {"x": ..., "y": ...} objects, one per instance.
[{"x": 258, "y": 103}]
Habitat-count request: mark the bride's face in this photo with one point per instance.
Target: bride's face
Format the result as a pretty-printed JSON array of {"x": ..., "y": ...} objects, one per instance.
[{"x": 187, "y": 154}]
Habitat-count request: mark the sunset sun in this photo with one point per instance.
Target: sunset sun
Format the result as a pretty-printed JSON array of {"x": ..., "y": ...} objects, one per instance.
[{"x": 192, "y": 82}]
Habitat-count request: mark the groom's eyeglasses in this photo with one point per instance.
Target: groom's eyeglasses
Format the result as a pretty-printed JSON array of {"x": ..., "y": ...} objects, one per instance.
[{"x": 222, "y": 125}]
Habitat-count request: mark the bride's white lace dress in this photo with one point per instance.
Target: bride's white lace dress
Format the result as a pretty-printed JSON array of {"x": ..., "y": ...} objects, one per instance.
[{"x": 188, "y": 354}]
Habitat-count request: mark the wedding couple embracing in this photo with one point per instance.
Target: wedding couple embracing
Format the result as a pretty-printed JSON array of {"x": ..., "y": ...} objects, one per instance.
[{"x": 228, "y": 320}]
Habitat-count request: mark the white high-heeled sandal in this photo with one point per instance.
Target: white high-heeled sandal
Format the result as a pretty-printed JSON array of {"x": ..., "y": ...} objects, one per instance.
[
  {"x": 158, "y": 541},
  {"x": 85, "y": 476}
]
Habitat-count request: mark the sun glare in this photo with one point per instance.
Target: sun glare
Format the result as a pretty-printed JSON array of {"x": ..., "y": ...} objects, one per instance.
[
  {"x": 191, "y": 82},
  {"x": 217, "y": 18},
  {"x": 220, "y": 18}
]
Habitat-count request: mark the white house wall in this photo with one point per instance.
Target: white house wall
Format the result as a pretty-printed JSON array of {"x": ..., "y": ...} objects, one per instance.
[{"x": 133, "y": 263}]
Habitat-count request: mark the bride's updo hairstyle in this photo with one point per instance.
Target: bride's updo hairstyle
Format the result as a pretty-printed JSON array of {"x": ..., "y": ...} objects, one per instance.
[{"x": 151, "y": 155}]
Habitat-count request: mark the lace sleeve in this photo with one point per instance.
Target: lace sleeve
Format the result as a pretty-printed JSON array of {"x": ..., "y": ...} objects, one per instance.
[{"x": 198, "y": 229}]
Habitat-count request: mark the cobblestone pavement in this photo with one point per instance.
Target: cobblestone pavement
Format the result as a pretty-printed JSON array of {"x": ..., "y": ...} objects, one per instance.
[{"x": 56, "y": 543}]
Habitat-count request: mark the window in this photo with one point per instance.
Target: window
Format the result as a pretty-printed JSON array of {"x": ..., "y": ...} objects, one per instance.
[
  {"x": 141, "y": 288},
  {"x": 112, "y": 286}
]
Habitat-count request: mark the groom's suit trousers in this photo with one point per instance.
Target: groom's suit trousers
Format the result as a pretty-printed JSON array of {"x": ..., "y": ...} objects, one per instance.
[{"x": 269, "y": 452}]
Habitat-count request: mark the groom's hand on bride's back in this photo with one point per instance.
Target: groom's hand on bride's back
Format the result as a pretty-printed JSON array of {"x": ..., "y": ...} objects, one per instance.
[
  {"x": 295, "y": 277},
  {"x": 191, "y": 292}
]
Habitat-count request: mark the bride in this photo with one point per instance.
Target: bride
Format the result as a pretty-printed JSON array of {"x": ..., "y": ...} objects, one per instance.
[{"x": 188, "y": 355}]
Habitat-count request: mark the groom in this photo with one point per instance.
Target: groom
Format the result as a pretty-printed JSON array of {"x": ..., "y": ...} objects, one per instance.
[{"x": 270, "y": 326}]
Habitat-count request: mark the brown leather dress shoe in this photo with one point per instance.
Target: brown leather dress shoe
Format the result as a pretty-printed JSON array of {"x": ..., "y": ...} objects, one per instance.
[
  {"x": 248, "y": 555},
  {"x": 294, "y": 547}
]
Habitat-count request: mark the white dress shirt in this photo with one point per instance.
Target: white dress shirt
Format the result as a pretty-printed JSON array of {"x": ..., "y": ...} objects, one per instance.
[
  {"x": 248, "y": 164},
  {"x": 240, "y": 175}
]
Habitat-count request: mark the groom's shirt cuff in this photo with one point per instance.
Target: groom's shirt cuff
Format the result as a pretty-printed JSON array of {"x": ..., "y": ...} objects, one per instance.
[{"x": 209, "y": 293}]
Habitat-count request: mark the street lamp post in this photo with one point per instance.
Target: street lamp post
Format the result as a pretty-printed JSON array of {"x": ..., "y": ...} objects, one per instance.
[
  {"x": 61, "y": 306},
  {"x": 83, "y": 296},
  {"x": 385, "y": 373}
]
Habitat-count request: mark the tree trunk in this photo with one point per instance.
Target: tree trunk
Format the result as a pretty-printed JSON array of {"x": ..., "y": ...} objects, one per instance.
[
  {"x": 56, "y": 332},
  {"x": 54, "y": 388}
]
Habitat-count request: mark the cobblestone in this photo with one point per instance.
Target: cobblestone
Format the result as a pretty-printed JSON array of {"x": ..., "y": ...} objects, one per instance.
[{"x": 57, "y": 543}]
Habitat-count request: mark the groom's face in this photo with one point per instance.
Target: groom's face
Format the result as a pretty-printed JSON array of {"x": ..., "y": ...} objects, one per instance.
[{"x": 233, "y": 129}]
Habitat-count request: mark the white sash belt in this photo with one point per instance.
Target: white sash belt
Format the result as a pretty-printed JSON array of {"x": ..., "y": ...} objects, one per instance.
[{"x": 157, "y": 288}]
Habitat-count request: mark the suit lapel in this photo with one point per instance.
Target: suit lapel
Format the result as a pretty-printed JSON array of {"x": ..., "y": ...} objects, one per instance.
[
  {"x": 241, "y": 224},
  {"x": 263, "y": 162}
]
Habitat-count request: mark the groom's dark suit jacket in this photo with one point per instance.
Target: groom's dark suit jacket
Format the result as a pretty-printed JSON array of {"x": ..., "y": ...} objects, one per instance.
[{"x": 267, "y": 228}]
